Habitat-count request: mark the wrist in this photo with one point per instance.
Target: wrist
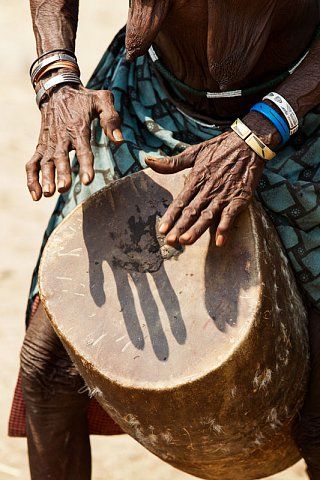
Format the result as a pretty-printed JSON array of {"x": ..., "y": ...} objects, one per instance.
[{"x": 264, "y": 129}]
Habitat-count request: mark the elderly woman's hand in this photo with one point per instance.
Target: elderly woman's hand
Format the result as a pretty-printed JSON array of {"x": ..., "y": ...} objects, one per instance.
[
  {"x": 66, "y": 121},
  {"x": 221, "y": 183}
]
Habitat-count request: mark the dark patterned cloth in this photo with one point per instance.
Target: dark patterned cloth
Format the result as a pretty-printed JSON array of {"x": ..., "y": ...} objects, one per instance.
[{"x": 153, "y": 124}]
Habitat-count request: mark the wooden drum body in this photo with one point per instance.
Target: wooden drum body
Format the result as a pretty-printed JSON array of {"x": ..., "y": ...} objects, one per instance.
[{"x": 201, "y": 355}]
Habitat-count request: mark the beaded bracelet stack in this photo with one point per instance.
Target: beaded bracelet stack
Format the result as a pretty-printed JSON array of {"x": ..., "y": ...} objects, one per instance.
[
  {"x": 47, "y": 63},
  {"x": 286, "y": 124}
]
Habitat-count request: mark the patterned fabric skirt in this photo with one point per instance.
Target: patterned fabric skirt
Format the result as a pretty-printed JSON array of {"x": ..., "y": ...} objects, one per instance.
[{"x": 153, "y": 124}]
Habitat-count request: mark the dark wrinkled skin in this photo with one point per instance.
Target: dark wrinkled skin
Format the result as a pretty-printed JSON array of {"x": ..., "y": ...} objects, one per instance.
[
  {"x": 65, "y": 126},
  {"x": 220, "y": 186},
  {"x": 250, "y": 45},
  {"x": 209, "y": 44},
  {"x": 56, "y": 420}
]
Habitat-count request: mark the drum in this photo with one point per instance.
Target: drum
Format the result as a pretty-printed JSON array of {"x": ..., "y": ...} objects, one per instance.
[{"x": 198, "y": 353}]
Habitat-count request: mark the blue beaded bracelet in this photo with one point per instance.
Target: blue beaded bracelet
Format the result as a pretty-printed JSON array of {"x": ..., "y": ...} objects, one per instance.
[{"x": 276, "y": 119}]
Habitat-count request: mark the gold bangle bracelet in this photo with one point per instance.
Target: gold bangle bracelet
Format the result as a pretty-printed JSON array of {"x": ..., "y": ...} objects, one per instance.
[{"x": 252, "y": 140}]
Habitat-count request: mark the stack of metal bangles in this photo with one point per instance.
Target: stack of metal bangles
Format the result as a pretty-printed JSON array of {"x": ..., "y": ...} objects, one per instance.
[
  {"x": 49, "y": 62},
  {"x": 286, "y": 124}
]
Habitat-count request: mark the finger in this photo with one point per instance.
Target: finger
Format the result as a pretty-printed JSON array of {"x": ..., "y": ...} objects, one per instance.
[
  {"x": 32, "y": 171},
  {"x": 228, "y": 216},
  {"x": 81, "y": 144},
  {"x": 48, "y": 174},
  {"x": 173, "y": 164},
  {"x": 110, "y": 120},
  {"x": 62, "y": 164},
  {"x": 190, "y": 215},
  {"x": 207, "y": 218},
  {"x": 177, "y": 206}
]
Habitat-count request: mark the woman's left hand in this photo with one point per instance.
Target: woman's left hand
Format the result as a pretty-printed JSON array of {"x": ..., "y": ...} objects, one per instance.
[{"x": 225, "y": 173}]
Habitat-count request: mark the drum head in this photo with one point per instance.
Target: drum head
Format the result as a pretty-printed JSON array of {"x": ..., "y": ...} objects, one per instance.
[{"x": 141, "y": 312}]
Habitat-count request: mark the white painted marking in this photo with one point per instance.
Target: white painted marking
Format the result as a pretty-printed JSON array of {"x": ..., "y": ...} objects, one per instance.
[
  {"x": 121, "y": 338},
  {"x": 126, "y": 346},
  {"x": 98, "y": 339},
  {"x": 73, "y": 253}
]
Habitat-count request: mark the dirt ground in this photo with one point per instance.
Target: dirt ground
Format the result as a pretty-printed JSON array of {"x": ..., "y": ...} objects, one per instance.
[{"x": 23, "y": 223}]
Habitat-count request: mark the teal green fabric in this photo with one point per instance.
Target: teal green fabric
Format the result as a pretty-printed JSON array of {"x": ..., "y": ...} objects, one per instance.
[{"x": 152, "y": 124}]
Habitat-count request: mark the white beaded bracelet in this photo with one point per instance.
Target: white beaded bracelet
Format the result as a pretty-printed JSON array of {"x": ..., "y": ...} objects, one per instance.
[{"x": 286, "y": 109}]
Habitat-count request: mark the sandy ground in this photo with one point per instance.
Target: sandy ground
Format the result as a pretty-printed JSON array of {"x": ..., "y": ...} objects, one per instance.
[{"x": 23, "y": 222}]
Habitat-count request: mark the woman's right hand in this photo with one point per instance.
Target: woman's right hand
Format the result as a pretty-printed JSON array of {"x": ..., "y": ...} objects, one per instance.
[{"x": 66, "y": 126}]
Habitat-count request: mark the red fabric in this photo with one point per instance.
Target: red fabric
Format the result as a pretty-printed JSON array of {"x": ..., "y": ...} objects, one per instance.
[{"x": 99, "y": 421}]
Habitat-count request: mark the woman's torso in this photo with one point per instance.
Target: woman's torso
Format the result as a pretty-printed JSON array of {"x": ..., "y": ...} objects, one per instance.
[{"x": 229, "y": 44}]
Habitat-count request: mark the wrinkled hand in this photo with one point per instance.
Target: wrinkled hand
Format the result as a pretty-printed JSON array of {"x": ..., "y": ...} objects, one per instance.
[
  {"x": 65, "y": 126},
  {"x": 224, "y": 175}
]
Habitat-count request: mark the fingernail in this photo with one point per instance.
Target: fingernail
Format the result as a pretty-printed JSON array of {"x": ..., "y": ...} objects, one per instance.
[
  {"x": 220, "y": 241},
  {"x": 61, "y": 184},
  {"x": 163, "y": 228},
  {"x": 185, "y": 238},
  {"x": 85, "y": 178},
  {"x": 117, "y": 135},
  {"x": 171, "y": 239},
  {"x": 34, "y": 196},
  {"x": 46, "y": 189}
]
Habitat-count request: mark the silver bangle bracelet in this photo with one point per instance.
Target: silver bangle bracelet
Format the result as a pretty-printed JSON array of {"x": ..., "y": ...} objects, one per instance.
[
  {"x": 52, "y": 82},
  {"x": 286, "y": 109},
  {"x": 50, "y": 52},
  {"x": 48, "y": 61}
]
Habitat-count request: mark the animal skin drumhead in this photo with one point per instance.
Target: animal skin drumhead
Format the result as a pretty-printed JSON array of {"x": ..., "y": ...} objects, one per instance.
[{"x": 199, "y": 353}]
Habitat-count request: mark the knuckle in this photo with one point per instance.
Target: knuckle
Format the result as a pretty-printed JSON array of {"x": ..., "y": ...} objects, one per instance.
[
  {"x": 113, "y": 118},
  {"x": 33, "y": 162},
  {"x": 46, "y": 162},
  {"x": 63, "y": 169},
  {"x": 223, "y": 228},
  {"x": 39, "y": 149},
  {"x": 229, "y": 213},
  {"x": 107, "y": 95},
  {"x": 168, "y": 161},
  {"x": 176, "y": 162},
  {"x": 30, "y": 184},
  {"x": 60, "y": 157},
  {"x": 84, "y": 153},
  {"x": 29, "y": 166},
  {"x": 190, "y": 212},
  {"x": 207, "y": 214},
  {"x": 60, "y": 162},
  {"x": 179, "y": 203}
]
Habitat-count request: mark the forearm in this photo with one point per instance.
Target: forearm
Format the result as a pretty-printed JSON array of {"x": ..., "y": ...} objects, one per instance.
[
  {"x": 54, "y": 23},
  {"x": 302, "y": 88}
]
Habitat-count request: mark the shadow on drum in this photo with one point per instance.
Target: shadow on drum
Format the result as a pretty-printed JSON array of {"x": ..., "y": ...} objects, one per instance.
[
  {"x": 227, "y": 278},
  {"x": 119, "y": 228},
  {"x": 124, "y": 236}
]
